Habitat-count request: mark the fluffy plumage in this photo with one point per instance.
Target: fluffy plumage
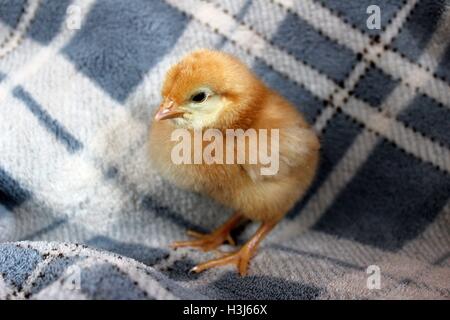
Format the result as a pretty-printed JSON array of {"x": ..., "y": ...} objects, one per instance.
[{"x": 210, "y": 89}]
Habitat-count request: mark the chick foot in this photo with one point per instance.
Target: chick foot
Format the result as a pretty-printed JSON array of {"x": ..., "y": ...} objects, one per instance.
[
  {"x": 211, "y": 241},
  {"x": 240, "y": 258}
]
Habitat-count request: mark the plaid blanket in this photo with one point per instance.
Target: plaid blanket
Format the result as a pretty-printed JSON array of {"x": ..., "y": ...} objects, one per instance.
[{"x": 84, "y": 215}]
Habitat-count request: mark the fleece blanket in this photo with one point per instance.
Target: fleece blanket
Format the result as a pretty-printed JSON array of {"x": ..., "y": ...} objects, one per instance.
[{"x": 83, "y": 215}]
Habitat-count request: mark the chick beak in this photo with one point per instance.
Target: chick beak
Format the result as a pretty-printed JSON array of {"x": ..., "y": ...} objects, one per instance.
[{"x": 168, "y": 110}]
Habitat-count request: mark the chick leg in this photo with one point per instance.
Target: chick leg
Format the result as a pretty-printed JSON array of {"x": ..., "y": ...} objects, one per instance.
[
  {"x": 241, "y": 257},
  {"x": 207, "y": 242}
]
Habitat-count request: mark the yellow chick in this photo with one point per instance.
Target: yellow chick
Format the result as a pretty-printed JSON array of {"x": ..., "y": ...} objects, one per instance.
[{"x": 214, "y": 90}]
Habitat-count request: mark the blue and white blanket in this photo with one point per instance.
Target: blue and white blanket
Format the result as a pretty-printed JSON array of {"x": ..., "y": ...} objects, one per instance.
[{"x": 79, "y": 200}]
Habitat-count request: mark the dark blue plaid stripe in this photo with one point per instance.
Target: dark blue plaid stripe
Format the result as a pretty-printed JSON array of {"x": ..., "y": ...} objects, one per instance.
[
  {"x": 48, "y": 20},
  {"x": 11, "y": 11},
  {"x": 11, "y": 192},
  {"x": 61, "y": 134},
  {"x": 118, "y": 54},
  {"x": 355, "y": 12},
  {"x": 391, "y": 200},
  {"x": 307, "y": 44},
  {"x": 415, "y": 35}
]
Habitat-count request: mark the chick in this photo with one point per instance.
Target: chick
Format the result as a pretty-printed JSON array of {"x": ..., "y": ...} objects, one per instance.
[{"x": 211, "y": 89}]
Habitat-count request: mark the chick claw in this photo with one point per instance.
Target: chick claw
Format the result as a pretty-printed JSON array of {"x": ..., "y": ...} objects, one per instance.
[
  {"x": 240, "y": 258},
  {"x": 205, "y": 242},
  {"x": 211, "y": 241}
]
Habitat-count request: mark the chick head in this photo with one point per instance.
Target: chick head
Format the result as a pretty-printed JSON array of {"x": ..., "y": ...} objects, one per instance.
[{"x": 210, "y": 89}]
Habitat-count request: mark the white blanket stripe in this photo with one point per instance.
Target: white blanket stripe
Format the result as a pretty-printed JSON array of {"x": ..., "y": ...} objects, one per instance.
[
  {"x": 392, "y": 130},
  {"x": 372, "y": 50},
  {"x": 390, "y": 62},
  {"x": 342, "y": 174},
  {"x": 45, "y": 53},
  {"x": 436, "y": 48}
]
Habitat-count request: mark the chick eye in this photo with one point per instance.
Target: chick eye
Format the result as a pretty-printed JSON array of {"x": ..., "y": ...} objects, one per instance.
[{"x": 199, "y": 97}]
